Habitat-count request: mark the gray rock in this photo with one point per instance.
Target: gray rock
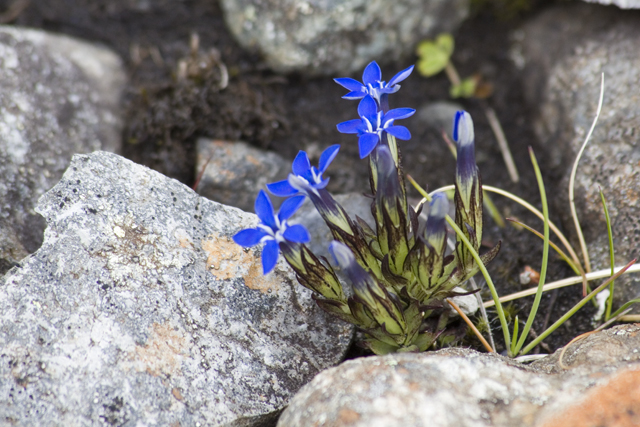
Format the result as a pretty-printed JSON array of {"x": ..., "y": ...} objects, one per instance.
[
  {"x": 334, "y": 37},
  {"x": 566, "y": 50},
  {"x": 237, "y": 171},
  {"x": 622, "y": 4},
  {"x": 138, "y": 309},
  {"x": 460, "y": 388},
  {"x": 59, "y": 96}
]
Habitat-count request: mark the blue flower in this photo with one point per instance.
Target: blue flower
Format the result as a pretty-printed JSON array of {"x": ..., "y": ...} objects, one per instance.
[
  {"x": 372, "y": 123},
  {"x": 305, "y": 178},
  {"x": 273, "y": 229},
  {"x": 372, "y": 83}
]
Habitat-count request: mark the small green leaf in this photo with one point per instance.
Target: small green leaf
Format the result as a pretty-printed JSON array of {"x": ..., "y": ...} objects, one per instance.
[
  {"x": 465, "y": 89},
  {"x": 445, "y": 43},
  {"x": 434, "y": 55}
]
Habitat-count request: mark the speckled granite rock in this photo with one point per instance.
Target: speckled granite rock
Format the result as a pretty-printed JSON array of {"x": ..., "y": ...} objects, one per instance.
[
  {"x": 236, "y": 171},
  {"x": 566, "y": 50},
  {"x": 58, "y": 96},
  {"x": 463, "y": 388},
  {"x": 138, "y": 309},
  {"x": 331, "y": 37}
]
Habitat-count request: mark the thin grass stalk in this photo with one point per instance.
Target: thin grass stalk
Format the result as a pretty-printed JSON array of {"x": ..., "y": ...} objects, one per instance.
[
  {"x": 487, "y": 277},
  {"x": 594, "y": 275},
  {"x": 514, "y": 340},
  {"x": 555, "y": 247},
  {"x": 612, "y": 260},
  {"x": 572, "y": 180},
  {"x": 575, "y": 308},
  {"x": 471, "y": 325},
  {"x": 545, "y": 255}
]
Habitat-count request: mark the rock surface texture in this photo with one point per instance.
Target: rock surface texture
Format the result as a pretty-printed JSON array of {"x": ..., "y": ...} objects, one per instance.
[
  {"x": 566, "y": 50},
  {"x": 236, "y": 171},
  {"x": 138, "y": 309},
  {"x": 463, "y": 388},
  {"x": 623, "y": 4},
  {"x": 332, "y": 37},
  {"x": 59, "y": 96}
]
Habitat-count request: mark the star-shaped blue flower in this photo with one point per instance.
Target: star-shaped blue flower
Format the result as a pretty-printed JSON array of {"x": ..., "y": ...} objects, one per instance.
[
  {"x": 305, "y": 178},
  {"x": 373, "y": 122},
  {"x": 372, "y": 83},
  {"x": 273, "y": 229}
]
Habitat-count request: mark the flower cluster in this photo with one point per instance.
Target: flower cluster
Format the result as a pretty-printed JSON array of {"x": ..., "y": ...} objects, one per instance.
[{"x": 401, "y": 272}]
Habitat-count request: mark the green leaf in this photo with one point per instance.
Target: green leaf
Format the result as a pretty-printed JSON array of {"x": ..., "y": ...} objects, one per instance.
[
  {"x": 445, "y": 43},
  {"x": 434, "y": 55},
  {"x": 465, "y": 89}
]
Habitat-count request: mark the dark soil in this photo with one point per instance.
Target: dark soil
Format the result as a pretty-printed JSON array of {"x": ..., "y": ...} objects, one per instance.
[{"x": 167, "y": 109}]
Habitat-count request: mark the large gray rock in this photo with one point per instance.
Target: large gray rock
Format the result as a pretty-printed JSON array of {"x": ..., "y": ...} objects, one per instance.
[
  {"x": 58, "y": 96},
  {"x": 566, "y": 50},
  {"x": 236, "y": 171},
  {"x": 334, "y": 37},
  {"x": 139, "y": 309},
  {"x": 463, "y": 388}
]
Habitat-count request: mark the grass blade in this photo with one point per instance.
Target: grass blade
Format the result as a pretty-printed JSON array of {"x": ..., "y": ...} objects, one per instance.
[
  {"x": 555, "y": 247},
  {"x": 545, "y": 256},
  {"x": 572, "y": 181},
  {"x": 575, "y": 308},
  {"x": 612, "y": 260}
]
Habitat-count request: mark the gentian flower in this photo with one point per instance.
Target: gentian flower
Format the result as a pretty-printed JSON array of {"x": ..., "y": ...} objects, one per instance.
[
  {"x": 436, "y": 229},
  {"x": 466, "y": 168},
  {"x": 372, "y": 83},
  {"x": 373, "y": 122},
  {"x": 368, "y": 291},
  {"x": 273, "y": 229},
  {"x": 305, "y": 178}
]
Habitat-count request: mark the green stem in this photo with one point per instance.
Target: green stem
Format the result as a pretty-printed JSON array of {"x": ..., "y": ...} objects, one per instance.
[
  {"x": 545, "y": 256},
  {"x": 607, "y": 315}
]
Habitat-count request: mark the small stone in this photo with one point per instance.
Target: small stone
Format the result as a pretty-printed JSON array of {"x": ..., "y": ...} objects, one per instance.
[{"x": 236, "y": 171}]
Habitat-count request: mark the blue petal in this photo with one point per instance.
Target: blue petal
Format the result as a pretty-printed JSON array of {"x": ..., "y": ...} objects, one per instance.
[
  {"x": 322, "y": 184},
  {"x": 301, "y": 163},
  {"x": 463, "y": 128},
  {"x": 356, "y": 94},
  {"x": 399, "y": 132},
  {"x": 264, "y": 210},
  {"x": 349, "y": 83},
  {"x": 270, "y": 256},
  {"x": 366, "y": 143},
  {"x": 281, "y": 189},
  {"x": 289, "y": 207},
  {"x": 327, "y": 157},
  {"x": 249, "y": 237},
  {"x": 368, "y": 107},
  {"x": 296, "y": 233},
  {"x": 400, "y": 76},
  {"x": 350, "y": 126},
  {"x": 372, "y": 74},
  {"x": 398, "y": 113}
]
